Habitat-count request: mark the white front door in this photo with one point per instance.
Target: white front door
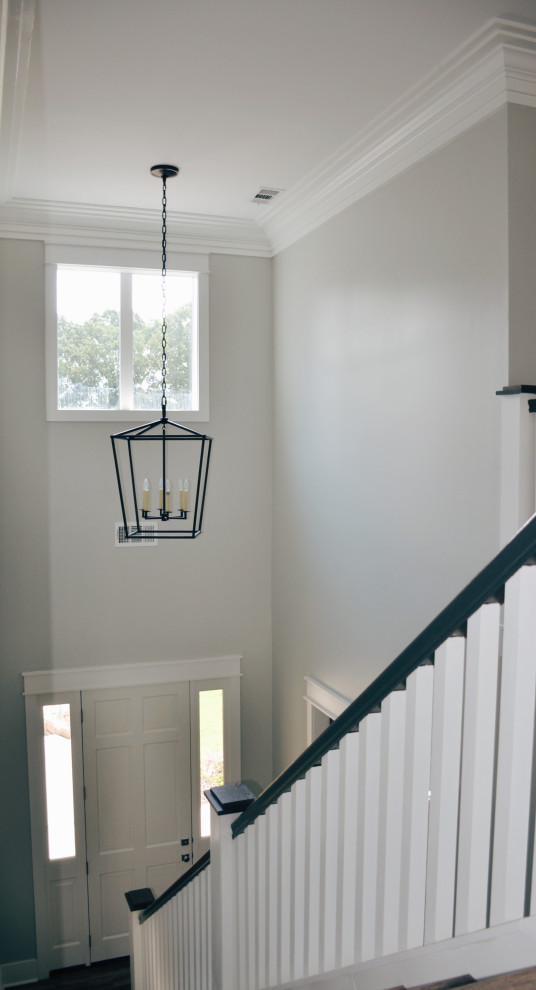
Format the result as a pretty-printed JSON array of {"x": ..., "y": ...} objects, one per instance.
[
  {"x": 138, "y": 801},
  {"x": 145, "y": 756}
]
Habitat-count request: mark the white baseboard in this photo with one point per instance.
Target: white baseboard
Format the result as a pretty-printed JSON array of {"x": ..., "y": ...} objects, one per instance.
[{"x": 15, "y": 973}]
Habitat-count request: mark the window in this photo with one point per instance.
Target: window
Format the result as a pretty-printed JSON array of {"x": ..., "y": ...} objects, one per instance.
[
  {"x": 211, "y": 759},
  {"x": 104, "y": 338},
  {"x": 59, "y": 781}
]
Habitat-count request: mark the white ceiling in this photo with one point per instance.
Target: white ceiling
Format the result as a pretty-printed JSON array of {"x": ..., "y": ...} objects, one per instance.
[{"x": 238, "y": 93}]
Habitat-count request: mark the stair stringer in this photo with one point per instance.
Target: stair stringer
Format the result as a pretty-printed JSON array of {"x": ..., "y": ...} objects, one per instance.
[{"x": 501, "y": 949}]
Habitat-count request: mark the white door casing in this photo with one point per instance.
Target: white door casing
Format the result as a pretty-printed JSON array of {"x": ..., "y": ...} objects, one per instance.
[{"x": 141, "y": 759}]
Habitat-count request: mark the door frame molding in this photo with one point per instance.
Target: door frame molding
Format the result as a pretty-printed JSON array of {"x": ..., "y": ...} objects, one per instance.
[
  {"x": 130, "y": 674},
  {"x": 72, "y": 682}
]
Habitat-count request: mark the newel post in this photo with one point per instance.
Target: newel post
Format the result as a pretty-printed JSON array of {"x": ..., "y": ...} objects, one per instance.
[
  {"x": 518, "y": 458},
  {"x": 226, "y": 804}
]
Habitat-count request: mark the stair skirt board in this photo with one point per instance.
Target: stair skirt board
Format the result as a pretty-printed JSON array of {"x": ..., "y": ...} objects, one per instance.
[{"x": 493, "y": 951}]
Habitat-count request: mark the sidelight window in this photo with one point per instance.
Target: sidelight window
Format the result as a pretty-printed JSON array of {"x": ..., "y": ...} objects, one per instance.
[
  {"x": 59, "y": 781},
  {"x": 210, "y": 748}
]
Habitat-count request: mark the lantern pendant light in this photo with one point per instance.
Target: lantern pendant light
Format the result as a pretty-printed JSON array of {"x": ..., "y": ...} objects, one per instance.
[{"x": 162, "y": 456}]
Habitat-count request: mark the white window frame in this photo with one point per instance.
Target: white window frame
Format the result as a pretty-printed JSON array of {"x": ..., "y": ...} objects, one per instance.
[{"x": 132, "y": 261}]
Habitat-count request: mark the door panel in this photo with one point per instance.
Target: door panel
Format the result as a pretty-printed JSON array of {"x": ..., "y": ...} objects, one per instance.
[{"x": 138, "y": 801}]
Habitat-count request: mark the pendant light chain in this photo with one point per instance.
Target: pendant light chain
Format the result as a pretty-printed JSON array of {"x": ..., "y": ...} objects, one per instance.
[
  {"x": 164, "y": 323},
  {"x": 172, "y": 508}
]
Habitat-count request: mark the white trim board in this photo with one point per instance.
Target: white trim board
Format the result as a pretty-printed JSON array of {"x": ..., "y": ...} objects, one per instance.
[
  {"x": 489, "y": 952},
  {"x": 494, "y": 67},
  {"x": 326, "y": 699},
  {"x": 16, "y": 973},
  {"x": 76, "y": 224},
  {"x": 130, "y": 675}
]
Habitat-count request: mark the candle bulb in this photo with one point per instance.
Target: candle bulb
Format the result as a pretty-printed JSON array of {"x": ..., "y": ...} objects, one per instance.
[
  {"x": 168, "y": 495},
  {"x": 161, "y": 494},
  {"x": 185, "y": 494},
  {"x": 145, "y": 496}
]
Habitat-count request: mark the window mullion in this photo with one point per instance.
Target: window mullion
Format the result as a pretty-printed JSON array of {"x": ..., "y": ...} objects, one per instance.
[{"x": 126, "y": 374}]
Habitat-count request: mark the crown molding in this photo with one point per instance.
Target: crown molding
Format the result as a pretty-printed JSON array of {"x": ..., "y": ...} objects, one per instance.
[
  {"x": 496, "y": 66},
  {"x": 120, "y": 227}
]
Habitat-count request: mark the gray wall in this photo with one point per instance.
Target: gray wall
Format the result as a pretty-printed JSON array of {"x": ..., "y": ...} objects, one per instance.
[
  {"x": 390, "y": 341},
  {"x": 24, "y": 589},
  {"x": 522, "y": 244},
  {"x": 69, "y": 598}
]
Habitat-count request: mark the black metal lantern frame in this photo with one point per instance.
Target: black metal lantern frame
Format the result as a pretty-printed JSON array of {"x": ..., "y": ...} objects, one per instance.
[
  {"x": 165, "y": 449},
  {"x": 163, "y": 444}
]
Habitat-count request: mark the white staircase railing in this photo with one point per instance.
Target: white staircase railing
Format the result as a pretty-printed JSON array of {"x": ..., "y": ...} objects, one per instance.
[
  {"x": 172, "y": 937},
  {"x": 406, "y": 828}
]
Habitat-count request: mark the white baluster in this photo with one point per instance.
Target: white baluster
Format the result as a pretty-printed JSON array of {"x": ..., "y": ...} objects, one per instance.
[
  {"x": 209, "y": 937},
  {"x": 198, "y": 931},
  {"x": 272, "y": 823},
  {"x": 346, "y": 919},
  {"x": 516, "y": 738},
  {"x": 331, "y": 807},
  {"x": 205, "y": 972},
  {"x": 157, "y": 924},
  {"x": 285, "y": 885},
  {"x": 313, "y": 869},
  {"x": 175, "y": 940},
  {"x": 191, "y": 935},
  {"x": 445, "y": 788},
  {"x": 240, "y": 843},
  {"x": 157, "y": 964},
  {"x": 252, "y": 907},
  {"x": 478, "y": 755},
  {"x": 299, "y": 832},
  {"x": 262, "y": 896},
  {"x": 390, "y": 834},
  {"x": 154, "y": 954},
  {"x": 147, "y": 954},
  {"x": 182, "y": 941},
  {"x": 367, "y": 834},
  {"x": 166, "y": 940},
  {"x": 417, "y": 750}
]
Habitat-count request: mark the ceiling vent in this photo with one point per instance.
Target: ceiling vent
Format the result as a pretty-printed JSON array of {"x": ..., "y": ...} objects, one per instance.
[{"x": 265, "y": 195}]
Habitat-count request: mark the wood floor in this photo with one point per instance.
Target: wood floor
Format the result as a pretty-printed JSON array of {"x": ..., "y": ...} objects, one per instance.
[
  {"x": 115, "y": 975},
  {"x": 111, "y": 975}
]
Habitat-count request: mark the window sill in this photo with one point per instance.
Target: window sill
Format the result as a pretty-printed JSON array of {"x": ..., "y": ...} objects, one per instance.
[{"x": 125, "y": 415}]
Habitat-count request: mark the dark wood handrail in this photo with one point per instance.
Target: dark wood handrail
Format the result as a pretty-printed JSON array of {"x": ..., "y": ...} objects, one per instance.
[
  {"x": 179, "y": 884},
  {"x": 488, "y": 585}
]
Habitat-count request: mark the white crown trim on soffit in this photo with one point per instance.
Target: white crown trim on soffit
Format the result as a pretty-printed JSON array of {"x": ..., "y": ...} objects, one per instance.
[
  {"x": 73, "y": 223},
  {"x": 496, "y": 66}
]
